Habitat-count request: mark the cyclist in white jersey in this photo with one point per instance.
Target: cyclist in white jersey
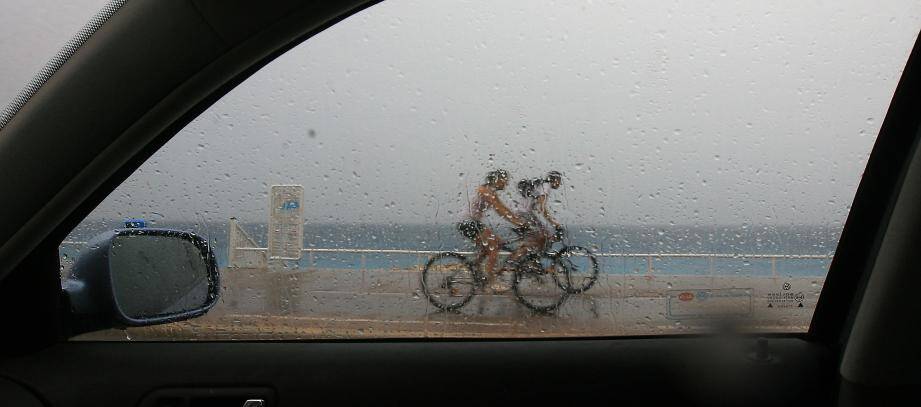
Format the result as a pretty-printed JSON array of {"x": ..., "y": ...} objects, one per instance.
[
  {"x": 553, "y": 180},
  {"x": 532, "y": 207}
]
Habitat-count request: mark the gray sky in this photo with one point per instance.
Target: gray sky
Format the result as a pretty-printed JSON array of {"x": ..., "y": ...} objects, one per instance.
[{"x": 657, "y": 112}]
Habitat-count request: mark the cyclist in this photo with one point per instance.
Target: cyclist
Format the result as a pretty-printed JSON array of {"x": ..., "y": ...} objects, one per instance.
[
  {"x": 531, "y": 206},
  {"x": 543, "y": 187},
  {"x": 488, "y": 242}
]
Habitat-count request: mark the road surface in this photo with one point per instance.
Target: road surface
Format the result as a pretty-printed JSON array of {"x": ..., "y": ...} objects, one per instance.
[{"x": 259, "y": 304}]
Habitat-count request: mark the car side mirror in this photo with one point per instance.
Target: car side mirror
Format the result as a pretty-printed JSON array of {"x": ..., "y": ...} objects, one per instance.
[{"x": 140, "y": 277}]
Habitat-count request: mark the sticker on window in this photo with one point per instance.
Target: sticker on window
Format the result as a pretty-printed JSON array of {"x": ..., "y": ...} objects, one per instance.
[{"x": 709, "y": 303}]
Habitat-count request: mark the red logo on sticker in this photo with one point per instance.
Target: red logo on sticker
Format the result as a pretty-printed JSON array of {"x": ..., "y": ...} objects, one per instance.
[{"x": 686, "y": 296}]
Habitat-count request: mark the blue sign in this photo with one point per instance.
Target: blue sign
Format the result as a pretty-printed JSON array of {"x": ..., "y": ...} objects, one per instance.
[
  {"x": 135, "y": 223},
  {"x": 290, "y": 205}
]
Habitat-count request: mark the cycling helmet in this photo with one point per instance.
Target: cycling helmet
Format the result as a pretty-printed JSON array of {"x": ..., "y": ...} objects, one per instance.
[
  {"x": 526, "y": 187},
  {"x": 493, "y": 176}
]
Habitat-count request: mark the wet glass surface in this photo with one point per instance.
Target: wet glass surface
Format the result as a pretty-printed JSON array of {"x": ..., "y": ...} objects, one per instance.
[{"x": 707, "y": 158}]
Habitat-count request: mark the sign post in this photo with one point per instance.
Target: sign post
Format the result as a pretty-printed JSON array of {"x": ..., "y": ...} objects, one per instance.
[{"x": 286, "y": 222}]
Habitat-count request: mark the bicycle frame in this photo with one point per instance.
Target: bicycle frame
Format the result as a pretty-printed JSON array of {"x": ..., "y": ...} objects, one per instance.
[{"x": 477, "y": 262}]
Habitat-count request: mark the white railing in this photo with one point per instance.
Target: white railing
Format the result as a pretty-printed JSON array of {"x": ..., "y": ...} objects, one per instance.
[
  {"x": 653, "y": 255},
  {"x": 649, "y": 257}
]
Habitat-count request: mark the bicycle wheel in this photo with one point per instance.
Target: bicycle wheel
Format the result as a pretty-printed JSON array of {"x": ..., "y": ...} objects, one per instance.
[
  {"x": 580, "y": 269},
  {"x": 536, "y": 283},
  {"x": 448, "y": 281}
]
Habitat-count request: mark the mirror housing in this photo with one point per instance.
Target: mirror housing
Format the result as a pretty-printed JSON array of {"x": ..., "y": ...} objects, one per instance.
[{"x": 140, "y": 277}]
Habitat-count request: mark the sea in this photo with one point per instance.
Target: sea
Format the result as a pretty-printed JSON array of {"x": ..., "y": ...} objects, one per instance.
[{"x": 627, "y": 249}]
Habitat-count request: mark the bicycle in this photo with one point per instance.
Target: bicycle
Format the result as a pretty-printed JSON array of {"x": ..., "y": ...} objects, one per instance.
[
  {"x": 581, "y": 267},
  {"x": 450, "y": 279}
]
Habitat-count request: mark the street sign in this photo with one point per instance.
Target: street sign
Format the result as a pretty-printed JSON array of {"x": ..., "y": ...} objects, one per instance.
[{"x": 286, "y": 222}]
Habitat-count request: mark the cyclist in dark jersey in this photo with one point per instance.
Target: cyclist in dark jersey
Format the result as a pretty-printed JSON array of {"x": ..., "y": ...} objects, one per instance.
[{"x": 487, "y": 241}]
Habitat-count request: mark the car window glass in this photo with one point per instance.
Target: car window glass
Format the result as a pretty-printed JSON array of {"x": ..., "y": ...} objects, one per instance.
[{"x": 700, "y": 159}]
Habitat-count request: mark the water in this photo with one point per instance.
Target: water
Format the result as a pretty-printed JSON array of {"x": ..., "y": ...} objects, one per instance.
[{"x": 788, "y": 240}]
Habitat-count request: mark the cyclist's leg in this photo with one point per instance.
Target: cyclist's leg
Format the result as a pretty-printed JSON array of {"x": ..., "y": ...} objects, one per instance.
[
  {"x": 530, "y": 243},
  {"x": 536, "y": 240},
  {"x": 472, "y": 229},
  {"x": 524, "y": 246},
  {"x": 543, "y": 242},
  {"x": 489, "y": 244},
  {"x": 480, "y": 256}
]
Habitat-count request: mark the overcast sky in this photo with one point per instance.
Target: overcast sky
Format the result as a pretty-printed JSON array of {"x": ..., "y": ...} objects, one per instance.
[{"x": 656, "y": 112}]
